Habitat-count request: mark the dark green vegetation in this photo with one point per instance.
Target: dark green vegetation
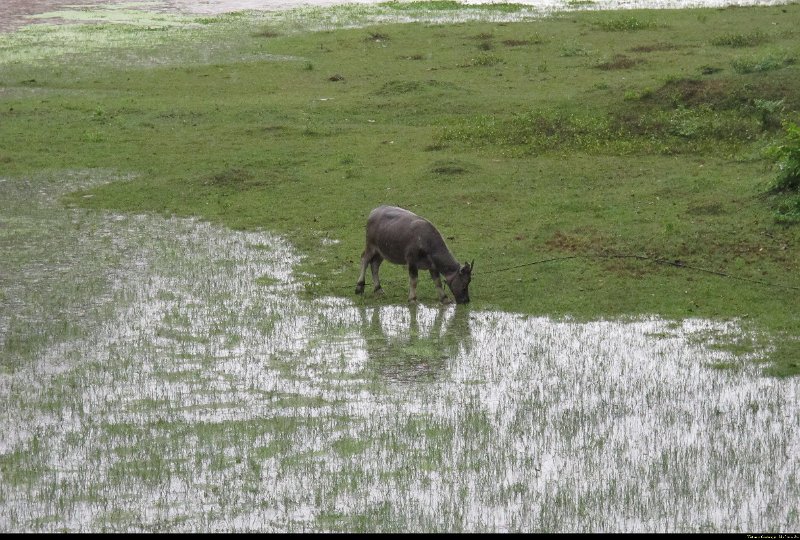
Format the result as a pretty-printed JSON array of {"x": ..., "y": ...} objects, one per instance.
[
  {"x": 787, "y": 181},
  {"x": 636, "y": 133}
]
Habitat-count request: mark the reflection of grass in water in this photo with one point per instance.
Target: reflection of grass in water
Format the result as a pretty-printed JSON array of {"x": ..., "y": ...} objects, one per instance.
[
  {"x": 348, "y": 447},
  {"x": 50, "y": 275}
]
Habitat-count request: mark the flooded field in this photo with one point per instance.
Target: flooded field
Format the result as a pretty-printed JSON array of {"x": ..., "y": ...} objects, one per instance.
[
  {"x": 16, "y": 13},
  {"x": 165, "y": 375}
]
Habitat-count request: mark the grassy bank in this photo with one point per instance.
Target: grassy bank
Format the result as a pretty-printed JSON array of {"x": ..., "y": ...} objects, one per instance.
[{"x": 579, "y": 134}]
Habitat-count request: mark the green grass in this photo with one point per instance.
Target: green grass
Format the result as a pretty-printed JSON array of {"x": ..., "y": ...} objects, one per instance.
[
  {"x": 453, "y": 5},
  {"x": 505, "y": 134},
  {"x": 750, "y": 39},
  {"x": 623, "y": 23}
]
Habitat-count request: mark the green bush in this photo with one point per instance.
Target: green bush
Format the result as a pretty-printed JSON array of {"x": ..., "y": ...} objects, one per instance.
[
  {"x": 787, "y": 156},
  {"x": 787, "y": 181},
  {"x": 788, "y": 211},
  {"x": 769, "y": 112},
  {"x": 770, "y": 62}
]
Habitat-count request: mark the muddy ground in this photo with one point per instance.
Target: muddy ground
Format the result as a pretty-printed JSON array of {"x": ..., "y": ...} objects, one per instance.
[{"x": 17, "y": 13}]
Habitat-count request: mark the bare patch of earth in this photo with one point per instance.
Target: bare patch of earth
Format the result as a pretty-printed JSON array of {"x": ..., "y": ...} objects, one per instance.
[{"x": 17, "y": 13}]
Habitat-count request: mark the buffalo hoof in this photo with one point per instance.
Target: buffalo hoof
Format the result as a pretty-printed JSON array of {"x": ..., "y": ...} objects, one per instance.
[
  {"x": 359, "y": 288},
  {"x": 378, "y": 292}
]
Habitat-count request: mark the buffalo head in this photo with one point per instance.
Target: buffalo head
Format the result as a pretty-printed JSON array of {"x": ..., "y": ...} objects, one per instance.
[{"x": 459, "y": 283}]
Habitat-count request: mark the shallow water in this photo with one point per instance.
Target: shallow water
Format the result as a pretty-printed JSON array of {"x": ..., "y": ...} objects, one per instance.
[
  {"x": 16, "y": 13},
  {"x": 191, "y": 388}
]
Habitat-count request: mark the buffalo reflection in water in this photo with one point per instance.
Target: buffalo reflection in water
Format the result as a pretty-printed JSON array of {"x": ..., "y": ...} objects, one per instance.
[{"x": 404, "y": 344}]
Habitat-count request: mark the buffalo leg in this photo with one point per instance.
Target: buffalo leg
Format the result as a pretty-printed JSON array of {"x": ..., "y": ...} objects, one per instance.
[
  {"x": 412, "y": 279},
  {"x": 362, "y": 275},
  {"x": 439, "y": 289},
  {"x": 375, "y": 264},
  {"x": 373, "y": 259},
  {"x": 366, "y": 258}
]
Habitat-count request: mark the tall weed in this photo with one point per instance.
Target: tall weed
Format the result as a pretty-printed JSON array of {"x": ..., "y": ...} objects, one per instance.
[
  {"x": 770, "y": 62},
  {"x": 787, "y": 156},
  {"x": 787, "y": 182},
  {"x": 740, "y": 40}
]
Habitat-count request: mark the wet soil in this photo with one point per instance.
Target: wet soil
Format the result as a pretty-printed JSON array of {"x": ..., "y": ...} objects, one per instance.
[{"x": 16, "y": 13}]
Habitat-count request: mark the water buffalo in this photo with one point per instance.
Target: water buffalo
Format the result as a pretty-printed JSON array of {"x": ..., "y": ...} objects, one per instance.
[{"x": 402, "y": 237}]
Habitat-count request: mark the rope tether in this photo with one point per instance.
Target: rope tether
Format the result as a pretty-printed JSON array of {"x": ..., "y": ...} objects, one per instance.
[{"x": 655, "y": 260}]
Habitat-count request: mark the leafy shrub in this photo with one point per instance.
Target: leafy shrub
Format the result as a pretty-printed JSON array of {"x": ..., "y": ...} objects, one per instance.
[
  {"x": 788, "y": 210},
  {"x": 769, "y": 111},
  {"x": 786, "y": 185},
  {"x": 572, "y": 49},
  {"x": 787, "y": 156},
  {"x": 768, "y": 63}
]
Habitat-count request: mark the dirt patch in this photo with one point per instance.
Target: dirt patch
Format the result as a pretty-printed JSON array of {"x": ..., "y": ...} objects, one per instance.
[
  {"x": 620, "y": 61},
  {"x": 578, "y": 242},
  {"x": 516, "y": 42},
  {"x": 709, "y": 209},
  {"x": 450, "y": 167},
  {"x": 725, "y": 93},
  {"x": 654, "y": 47},
  {"x": 16, "y": 13},
  {"x": 692, "y": 93}
]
